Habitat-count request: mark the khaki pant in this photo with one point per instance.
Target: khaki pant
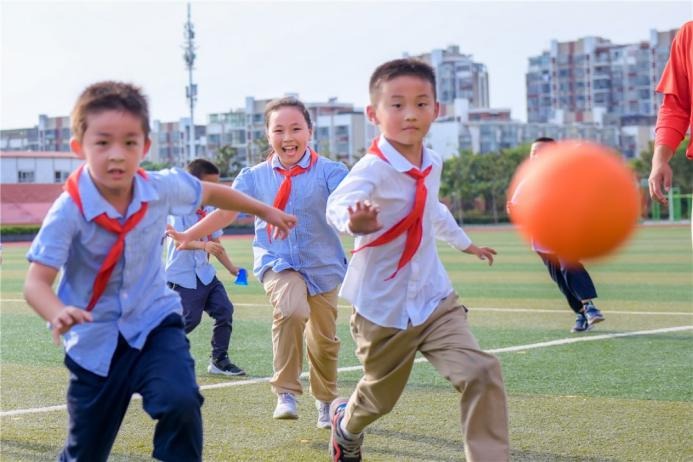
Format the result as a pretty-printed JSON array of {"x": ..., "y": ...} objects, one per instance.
[
  {"x": 296, "y": 313},
  {"x": 387, "y": 355}
]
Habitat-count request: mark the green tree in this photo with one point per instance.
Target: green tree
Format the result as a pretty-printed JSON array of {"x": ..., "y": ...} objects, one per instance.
[
  {"x": 453, "y": 184},
  {"x": 228, "y": 161}
]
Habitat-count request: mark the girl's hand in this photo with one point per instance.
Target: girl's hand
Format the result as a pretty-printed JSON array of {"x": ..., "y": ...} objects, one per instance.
[
  {"x": 214, "y": 248},
  {"x": 363, "y": 217},
  {"x": 482, "y": 253},
  {"x": 68, "y": 317}
]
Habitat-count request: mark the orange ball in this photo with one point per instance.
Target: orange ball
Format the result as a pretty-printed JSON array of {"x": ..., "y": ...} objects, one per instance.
[{"x": 579, "y": 200}]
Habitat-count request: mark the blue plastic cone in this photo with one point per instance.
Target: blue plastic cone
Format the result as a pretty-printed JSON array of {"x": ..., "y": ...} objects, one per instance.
[{"x": 242, "y": 277}]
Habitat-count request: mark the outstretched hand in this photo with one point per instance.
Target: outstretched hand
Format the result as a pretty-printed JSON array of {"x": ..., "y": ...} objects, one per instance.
[
  {"x": 181, "y": 238},
  {"x": 68, "y": 317},
  {"x": 363, "y": 217},
  {"x": 279, "y": 223},
  {"x": 482, "y": 253}
]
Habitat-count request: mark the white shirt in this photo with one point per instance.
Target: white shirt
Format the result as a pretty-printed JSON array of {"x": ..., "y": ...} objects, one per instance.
[{"x": 413, "y": 294}]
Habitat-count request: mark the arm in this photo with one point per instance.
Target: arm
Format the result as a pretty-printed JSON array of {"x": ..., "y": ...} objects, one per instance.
[
  {"x": 349, "y": 209},
  {"x": 661, "y": 173},
  {"x": 232, "y": 202},
  {"x": 446, "y": 229},
  {"x": 220, "y": 254},
  {"x": 38, "y": 292}
]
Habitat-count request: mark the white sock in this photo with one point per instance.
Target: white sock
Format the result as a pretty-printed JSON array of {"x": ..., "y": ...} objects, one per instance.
[{"x": 346, "y": 432}]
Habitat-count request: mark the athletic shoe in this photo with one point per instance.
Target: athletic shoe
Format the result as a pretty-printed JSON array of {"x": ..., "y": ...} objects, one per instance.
[
  {"x": 286, "y": 407},
  {"x": 224, "y": 366},
  {"x": 323, "y": 414},
  {"x": 581, "y": 324},
  {"x": 342, "y": 449},
  {"x": 592, "y": 313}
]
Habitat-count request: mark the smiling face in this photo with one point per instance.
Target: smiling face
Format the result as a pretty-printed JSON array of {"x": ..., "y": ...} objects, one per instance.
[
  {"x": 113, "y": 145},
  {"x": 404, "y": 109},
  {"x": 288, "y": 134}
]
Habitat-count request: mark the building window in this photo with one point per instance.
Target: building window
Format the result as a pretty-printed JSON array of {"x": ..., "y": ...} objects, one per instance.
[
  {"x": 25, "y": 176},
  {"x": 61, "y": 176}
]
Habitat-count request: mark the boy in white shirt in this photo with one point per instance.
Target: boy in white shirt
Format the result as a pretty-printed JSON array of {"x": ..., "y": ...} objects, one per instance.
[{"x": 403, "y": 299}]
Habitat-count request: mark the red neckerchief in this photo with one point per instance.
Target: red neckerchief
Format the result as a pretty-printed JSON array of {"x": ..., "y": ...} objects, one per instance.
[
  {"x": 411, "y": 223},
  {"x": 109, "y": 224},
  {"x": 284, "y": 191}
]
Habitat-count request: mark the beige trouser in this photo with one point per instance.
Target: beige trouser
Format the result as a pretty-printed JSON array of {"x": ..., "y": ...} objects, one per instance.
[
  {"x": 296, "y": 312},
  {"x": 387, "y": 355}
]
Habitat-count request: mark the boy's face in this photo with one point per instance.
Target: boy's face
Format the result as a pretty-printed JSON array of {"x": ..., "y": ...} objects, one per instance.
[
  {"x": 404, "y": 110},
  {"x": 113, "y": 146},
  {"x": 288, "y": 134}
]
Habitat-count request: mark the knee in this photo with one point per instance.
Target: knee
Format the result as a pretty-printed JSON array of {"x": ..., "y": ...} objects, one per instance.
[
  {"x": 177, "y": 402},
  {"x": 484, "y": 371},
  {"x": 297, "y": 315},
  {"x": 191, "y": 320}
]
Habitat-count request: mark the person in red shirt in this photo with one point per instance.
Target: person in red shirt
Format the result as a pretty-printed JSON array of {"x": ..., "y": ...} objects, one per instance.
[{"x": 675, "y": 115}]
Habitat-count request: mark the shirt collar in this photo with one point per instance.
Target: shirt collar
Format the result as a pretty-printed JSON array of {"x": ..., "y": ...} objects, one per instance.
[
  {"x": 304, "y": 162},
  {"x": 397, "y": 160},
  {"x": 93, "y": 203}
]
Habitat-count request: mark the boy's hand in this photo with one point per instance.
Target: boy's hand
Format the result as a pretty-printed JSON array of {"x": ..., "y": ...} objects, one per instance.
[
  {"x": 278, "y": 223},
  {"x": 214, "y": 248},
  {"x": 68, "y": 317},
  {"x": 363, "y": 217},
  {"x": 482, "y": 253},
  {"x": 182, "y": 240}
]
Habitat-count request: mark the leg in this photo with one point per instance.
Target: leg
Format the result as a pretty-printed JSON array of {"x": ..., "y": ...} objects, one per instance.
[
  {"x": 452, "y": 349},
  {"x": 288, "y": 294},
  {"x": 555, "y": 269},
  {"x": 219, "y": 307},
  {"x": 165, "y": 377},
  {"x": 193, "y": 301},
  {"x": 96, "y": 406},
  {"x": 578, "y": 281},
  {"x": 387, "y": 356},
  {"x": 322, "y": 345}
]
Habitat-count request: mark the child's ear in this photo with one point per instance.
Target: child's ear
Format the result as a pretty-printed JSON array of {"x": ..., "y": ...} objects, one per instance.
[
  {"x": 147, "y": 145},
  {"x": 370, "y": 114},
  {"x": 76, "y": 147},
  {"x": 437, "y": 109}
]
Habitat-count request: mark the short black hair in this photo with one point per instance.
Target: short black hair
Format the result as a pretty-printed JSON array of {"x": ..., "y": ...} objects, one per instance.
[
  {"x": 201, "y": 167},
  {"x": 544, "y": 139},
  {"x": 401, "y": 67}
]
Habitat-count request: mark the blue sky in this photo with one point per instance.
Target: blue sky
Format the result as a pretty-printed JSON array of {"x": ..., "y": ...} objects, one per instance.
[{"x": 51, "y": 50}]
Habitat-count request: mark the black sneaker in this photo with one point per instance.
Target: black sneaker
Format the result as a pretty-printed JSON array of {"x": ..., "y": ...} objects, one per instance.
[
  {"x": 342, "y": 449},
  {"x": 224, "y": 366}
]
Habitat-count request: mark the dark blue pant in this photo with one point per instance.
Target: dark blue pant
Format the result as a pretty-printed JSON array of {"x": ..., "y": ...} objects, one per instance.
[
  {"x": 212, "y": 299},
  {"x": 163, "y": 372},
  {"x": 573, "y": 280}
]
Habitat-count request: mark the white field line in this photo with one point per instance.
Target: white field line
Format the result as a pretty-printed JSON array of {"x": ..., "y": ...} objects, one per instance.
[
  {"x": 531, "y": 346},
  {"x": 472, "y": 309}
]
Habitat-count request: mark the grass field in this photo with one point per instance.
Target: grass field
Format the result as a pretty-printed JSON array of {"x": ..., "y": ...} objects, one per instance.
[{"x": 609, "y": 398}]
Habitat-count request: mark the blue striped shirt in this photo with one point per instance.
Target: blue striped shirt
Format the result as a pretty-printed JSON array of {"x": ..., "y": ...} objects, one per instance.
[
  {"x": 136, "y": 298},
  {"x": 313, "y": 247}
]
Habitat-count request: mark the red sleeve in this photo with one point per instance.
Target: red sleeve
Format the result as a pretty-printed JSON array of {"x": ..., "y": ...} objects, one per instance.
[
  {"x": 674, "y": 115},
  {"x": 672, "y": 122}
]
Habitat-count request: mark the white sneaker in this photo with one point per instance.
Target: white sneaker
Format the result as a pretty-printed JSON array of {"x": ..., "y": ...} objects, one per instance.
[
  {"x": 323, "y": 414},
  {"x": 286, "y": 407}
]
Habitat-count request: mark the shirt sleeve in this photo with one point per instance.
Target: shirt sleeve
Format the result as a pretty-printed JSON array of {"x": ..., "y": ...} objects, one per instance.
[
  {"x": 673, "y": 117},
  {"x": 244, "y": 182},
  {"x": 334, "y": 175},
  {"x": 446, "y": 229},
  {"x": 183, "y": 191},
  {"x": 51, "y": 246},
  {"x": 357, "y": 185}
]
